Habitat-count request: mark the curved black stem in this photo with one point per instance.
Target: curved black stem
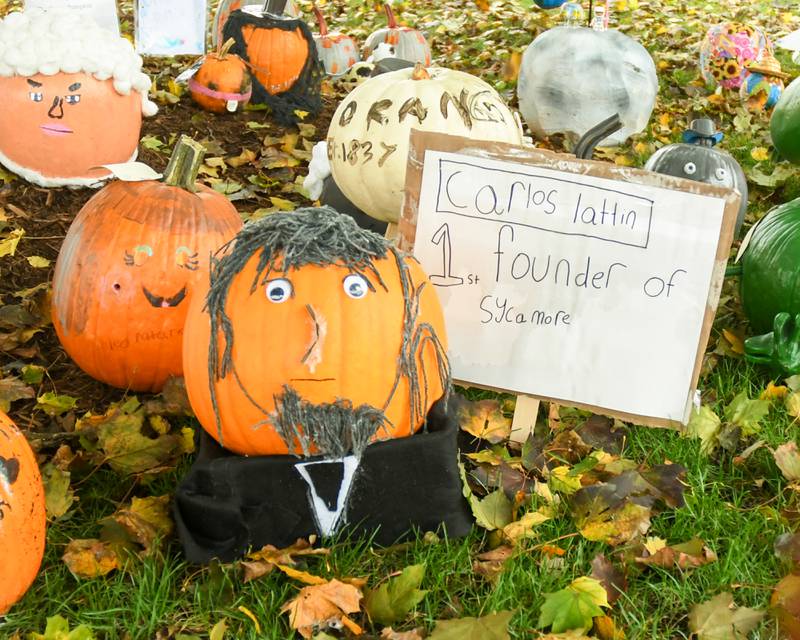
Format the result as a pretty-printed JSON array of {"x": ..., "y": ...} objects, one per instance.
[{"x": 593, "y": 136}]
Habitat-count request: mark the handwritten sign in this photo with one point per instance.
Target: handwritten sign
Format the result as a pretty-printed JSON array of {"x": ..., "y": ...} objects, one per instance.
[
  {"x": 104, "y": 12},
  {"x": 171, "y": 27},
  {"x": 573, "y": 280}
]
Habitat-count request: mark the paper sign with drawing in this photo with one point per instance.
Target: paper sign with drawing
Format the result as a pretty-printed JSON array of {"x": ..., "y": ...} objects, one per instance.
[{"x": 171, "y": 27}]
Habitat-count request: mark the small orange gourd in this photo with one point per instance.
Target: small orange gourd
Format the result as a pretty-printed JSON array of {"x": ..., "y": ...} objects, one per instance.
[
  {"x": 222, "y": 83},
  {"x": 317, "y": 337},
  {"x": 131, "y": 260},
  {"x": 23, "y": 519}
]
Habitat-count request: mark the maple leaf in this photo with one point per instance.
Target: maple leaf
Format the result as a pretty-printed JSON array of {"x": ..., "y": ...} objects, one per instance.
[
  {"x": 267, "y": 558},
  {"x": 90, "y": 558},
  {"x": 613, "y": 580},
  {"x": 484, "y": 420},
  {"x": 490, "y": 627},
  {"x": 395, "y": 598},
  {"x": 720, "y": 619},
  {"x": 573, "y": 607},
  {"x": 693, "y": 553},
  {"x": 705, "y": 425},
  {"x": 491, "y": 564},
  {"x": 58, "y": 495},
  {"x": 58, "y": 629},
  {"x": 788, "y": 461},
  {"x": 746, "y": 413},
  {"x": 785, "y": 602},
  {"x": 319, "y": 605}
]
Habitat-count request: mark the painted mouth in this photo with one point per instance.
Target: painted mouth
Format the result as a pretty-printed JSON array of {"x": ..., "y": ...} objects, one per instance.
[
  {"x": 311, "y": 379},
  {"x": 56, "y": 129},
  {"x": 164, "y": 303}
]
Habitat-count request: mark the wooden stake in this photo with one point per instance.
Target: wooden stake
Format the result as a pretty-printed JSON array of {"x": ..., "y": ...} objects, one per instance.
[{"x": 524, "y": 418}]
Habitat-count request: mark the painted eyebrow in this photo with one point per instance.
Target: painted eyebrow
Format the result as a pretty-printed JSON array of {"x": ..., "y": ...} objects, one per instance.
[
  {"x": 33, "y": 83},
  {"x": 74, "y": 87}
]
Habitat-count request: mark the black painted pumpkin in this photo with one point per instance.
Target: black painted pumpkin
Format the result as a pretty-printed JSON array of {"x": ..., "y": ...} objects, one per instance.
[{"x": 697, "y": 159}]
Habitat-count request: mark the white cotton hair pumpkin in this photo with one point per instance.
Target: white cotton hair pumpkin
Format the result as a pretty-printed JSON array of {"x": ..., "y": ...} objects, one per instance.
[{"x": 369, "y": 133}]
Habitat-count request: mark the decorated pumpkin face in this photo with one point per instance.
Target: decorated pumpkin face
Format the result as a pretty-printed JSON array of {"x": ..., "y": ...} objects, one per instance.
[
  {"x": 222, "y": 83},
  {"x": 571, "y": 78},
  {"x": 322, "y": 336},
  {"x": 131, "y": 260},
  {"x": 22, "y": 515},
  {"x": 63, "y": 116},
  {"x": 368, "y": 135},
  {"x": 698, "y": 160}
]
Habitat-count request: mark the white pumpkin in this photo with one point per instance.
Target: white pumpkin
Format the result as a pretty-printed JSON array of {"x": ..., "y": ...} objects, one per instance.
[
  {"x": 408, "y": 44},
  {"x": 337, "y": 51},
  {"x": 369, "y": 133}
]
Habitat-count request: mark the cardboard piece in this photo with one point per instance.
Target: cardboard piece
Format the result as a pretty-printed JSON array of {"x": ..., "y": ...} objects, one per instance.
[{"x": 583, "y": 282}]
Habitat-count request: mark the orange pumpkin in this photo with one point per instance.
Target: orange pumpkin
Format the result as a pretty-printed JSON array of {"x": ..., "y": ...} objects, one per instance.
[
  {"x": 222, "y": 83},
  {"x": 283, "y": 60},
  {"x": 72, "y": 101},
  {"x": 310, "y": 317},
  {"x": 22, "y": 515},
  {"x": 130, "y": 262}
]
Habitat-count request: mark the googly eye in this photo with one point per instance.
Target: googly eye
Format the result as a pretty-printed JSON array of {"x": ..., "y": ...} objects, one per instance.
[
  {"x": 73, "y": 99},
  {"x": 720, "y": 173},
  {"x": 690, "y": 168},
  {"x": 355, "y": 286},
  {"x": 36, "y": 96},
  {"x": 279, "y": 290}
]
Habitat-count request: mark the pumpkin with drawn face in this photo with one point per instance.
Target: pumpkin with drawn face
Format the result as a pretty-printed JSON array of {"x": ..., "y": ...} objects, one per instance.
[
  {"x": 22, "y": 515},
  {"x": 73, "y": 97},
  {"x": 316, "y": 337},
  {"x": 129, "y": 264}
]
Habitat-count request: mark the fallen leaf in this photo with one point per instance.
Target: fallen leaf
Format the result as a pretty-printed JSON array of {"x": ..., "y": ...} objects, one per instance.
[
  {"x": 774, "y": 392},
  {"x": 525, "y": 527},
  {"x": 705, "y": 425},
  {"x": 13, "y": 389},
  {"x": 250, "y": 615},
  {"x": 606, "y": 629},
  {"x": 573, "y": 607},
  {"x": 245, "y": 157},
  {"x": 484, "y": 420},
  {"x": 301, "y": 576},
  {"x": 57, "y": 628},
  {"x": 788, "y": 461},
  {"x": 282, "y": 204},
  {"x": 693, "y": 553},
  {"x": 38, "y": 262},
  {"x": 563, "y": 480},
  {"x": 267, "y": 558},
  {"x": 387, "y": 633},
  {"x": 90, "y": 558},
  {"x": 318, "y": 605},
  {"x": 490, "y": 627},
  {"x": 785, "y": 603},
  {"x": 787, "y": 548},
  {"x": 8, "y": 245},
  {"x": 146, "y": 521},
  {"x": 393, "y": 600},
  {"x": 32, "y": 374},
  {"x": 720, "y": 619},
  {"x": 613, "y": 579},
  {"x": 58, "y": 495},
  {"x": 759, "y": 154},
  {"x": 54, "y": 405},
  {"x": 746, "y": 413},
  {"x": 492, "y": 563},
  {"x": 492, "y": 512}
]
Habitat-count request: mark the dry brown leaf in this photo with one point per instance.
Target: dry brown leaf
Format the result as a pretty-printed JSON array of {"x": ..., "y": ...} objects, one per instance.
[
  {"x": 390, "y": 634},
  {"x": 492, "y": 563},
  {"x": 90, "y": 558},
  {"x": 263, "y": 561},
  {"x": 693, "y": 553},
  {"x": 319, "y": 605},
  {"x": 613, "y": 579},
  {"x": 484, "y": 420}
]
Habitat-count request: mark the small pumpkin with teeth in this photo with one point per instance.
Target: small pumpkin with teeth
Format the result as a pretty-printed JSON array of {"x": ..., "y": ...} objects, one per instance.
[
  {"x": 223, "y": 82},
  {"x": 131, "y": 260}
]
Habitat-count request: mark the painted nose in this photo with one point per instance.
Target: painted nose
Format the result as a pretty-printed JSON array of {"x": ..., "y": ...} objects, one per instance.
[
  {"x": 57, "y": 108},
  {"x": 319, "y": 330}
]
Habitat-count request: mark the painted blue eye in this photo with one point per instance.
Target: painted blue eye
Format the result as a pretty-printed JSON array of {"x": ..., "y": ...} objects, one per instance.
[
  {"x": 279, "y": 290},
  {"x": 36, "y": 96},
  {"x": 355, "y": 286}
]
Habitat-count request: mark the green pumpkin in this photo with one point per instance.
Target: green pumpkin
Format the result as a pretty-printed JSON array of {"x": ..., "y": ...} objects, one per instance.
[
  {"x": 771, "y": 267},
  {"x": 785, "y": 123}
]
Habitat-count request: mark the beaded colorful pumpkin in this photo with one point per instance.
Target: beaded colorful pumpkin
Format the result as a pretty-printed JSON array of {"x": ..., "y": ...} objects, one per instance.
[
  {"x": 23, "y": 519},
  {"x": 316, "y": 337},
  {"x": 763, "y": 84},
  {"x": 130, "y": 263},
  {"x": 728, "y": 49}
]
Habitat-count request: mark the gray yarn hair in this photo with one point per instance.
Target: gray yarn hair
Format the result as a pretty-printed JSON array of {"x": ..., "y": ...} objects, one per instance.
[{"x": 319, "y": 236}]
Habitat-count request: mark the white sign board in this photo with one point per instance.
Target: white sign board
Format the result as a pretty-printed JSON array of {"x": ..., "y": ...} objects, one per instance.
[
  {"x": 171, "y": 27},
  {"x": 104, "y": 12},
  {"x": 571, "y": 286}
]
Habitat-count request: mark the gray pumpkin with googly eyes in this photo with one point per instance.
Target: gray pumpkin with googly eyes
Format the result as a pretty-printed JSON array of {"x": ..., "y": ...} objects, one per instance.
[{"x": 697, "y": 159}]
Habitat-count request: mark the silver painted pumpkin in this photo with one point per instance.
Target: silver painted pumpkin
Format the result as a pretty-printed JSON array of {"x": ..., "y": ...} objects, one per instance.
[
  {"x": 409, "y": 44},
  {"x": 697, "y": 159},
  {"x": 571, "y": 78}
]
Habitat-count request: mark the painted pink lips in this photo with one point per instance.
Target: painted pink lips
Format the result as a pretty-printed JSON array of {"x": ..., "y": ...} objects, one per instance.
[{"x": 56, "y": 129}]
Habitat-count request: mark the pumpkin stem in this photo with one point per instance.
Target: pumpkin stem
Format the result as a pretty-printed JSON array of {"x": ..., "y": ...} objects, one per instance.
[
  {"x": 184, "y": 164},
  {"x": 323, "y": 26},
  {"x": 420, "y": 72},
  {"x": 390, "y": 15},
  {"x": 222, "y": 52}
]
